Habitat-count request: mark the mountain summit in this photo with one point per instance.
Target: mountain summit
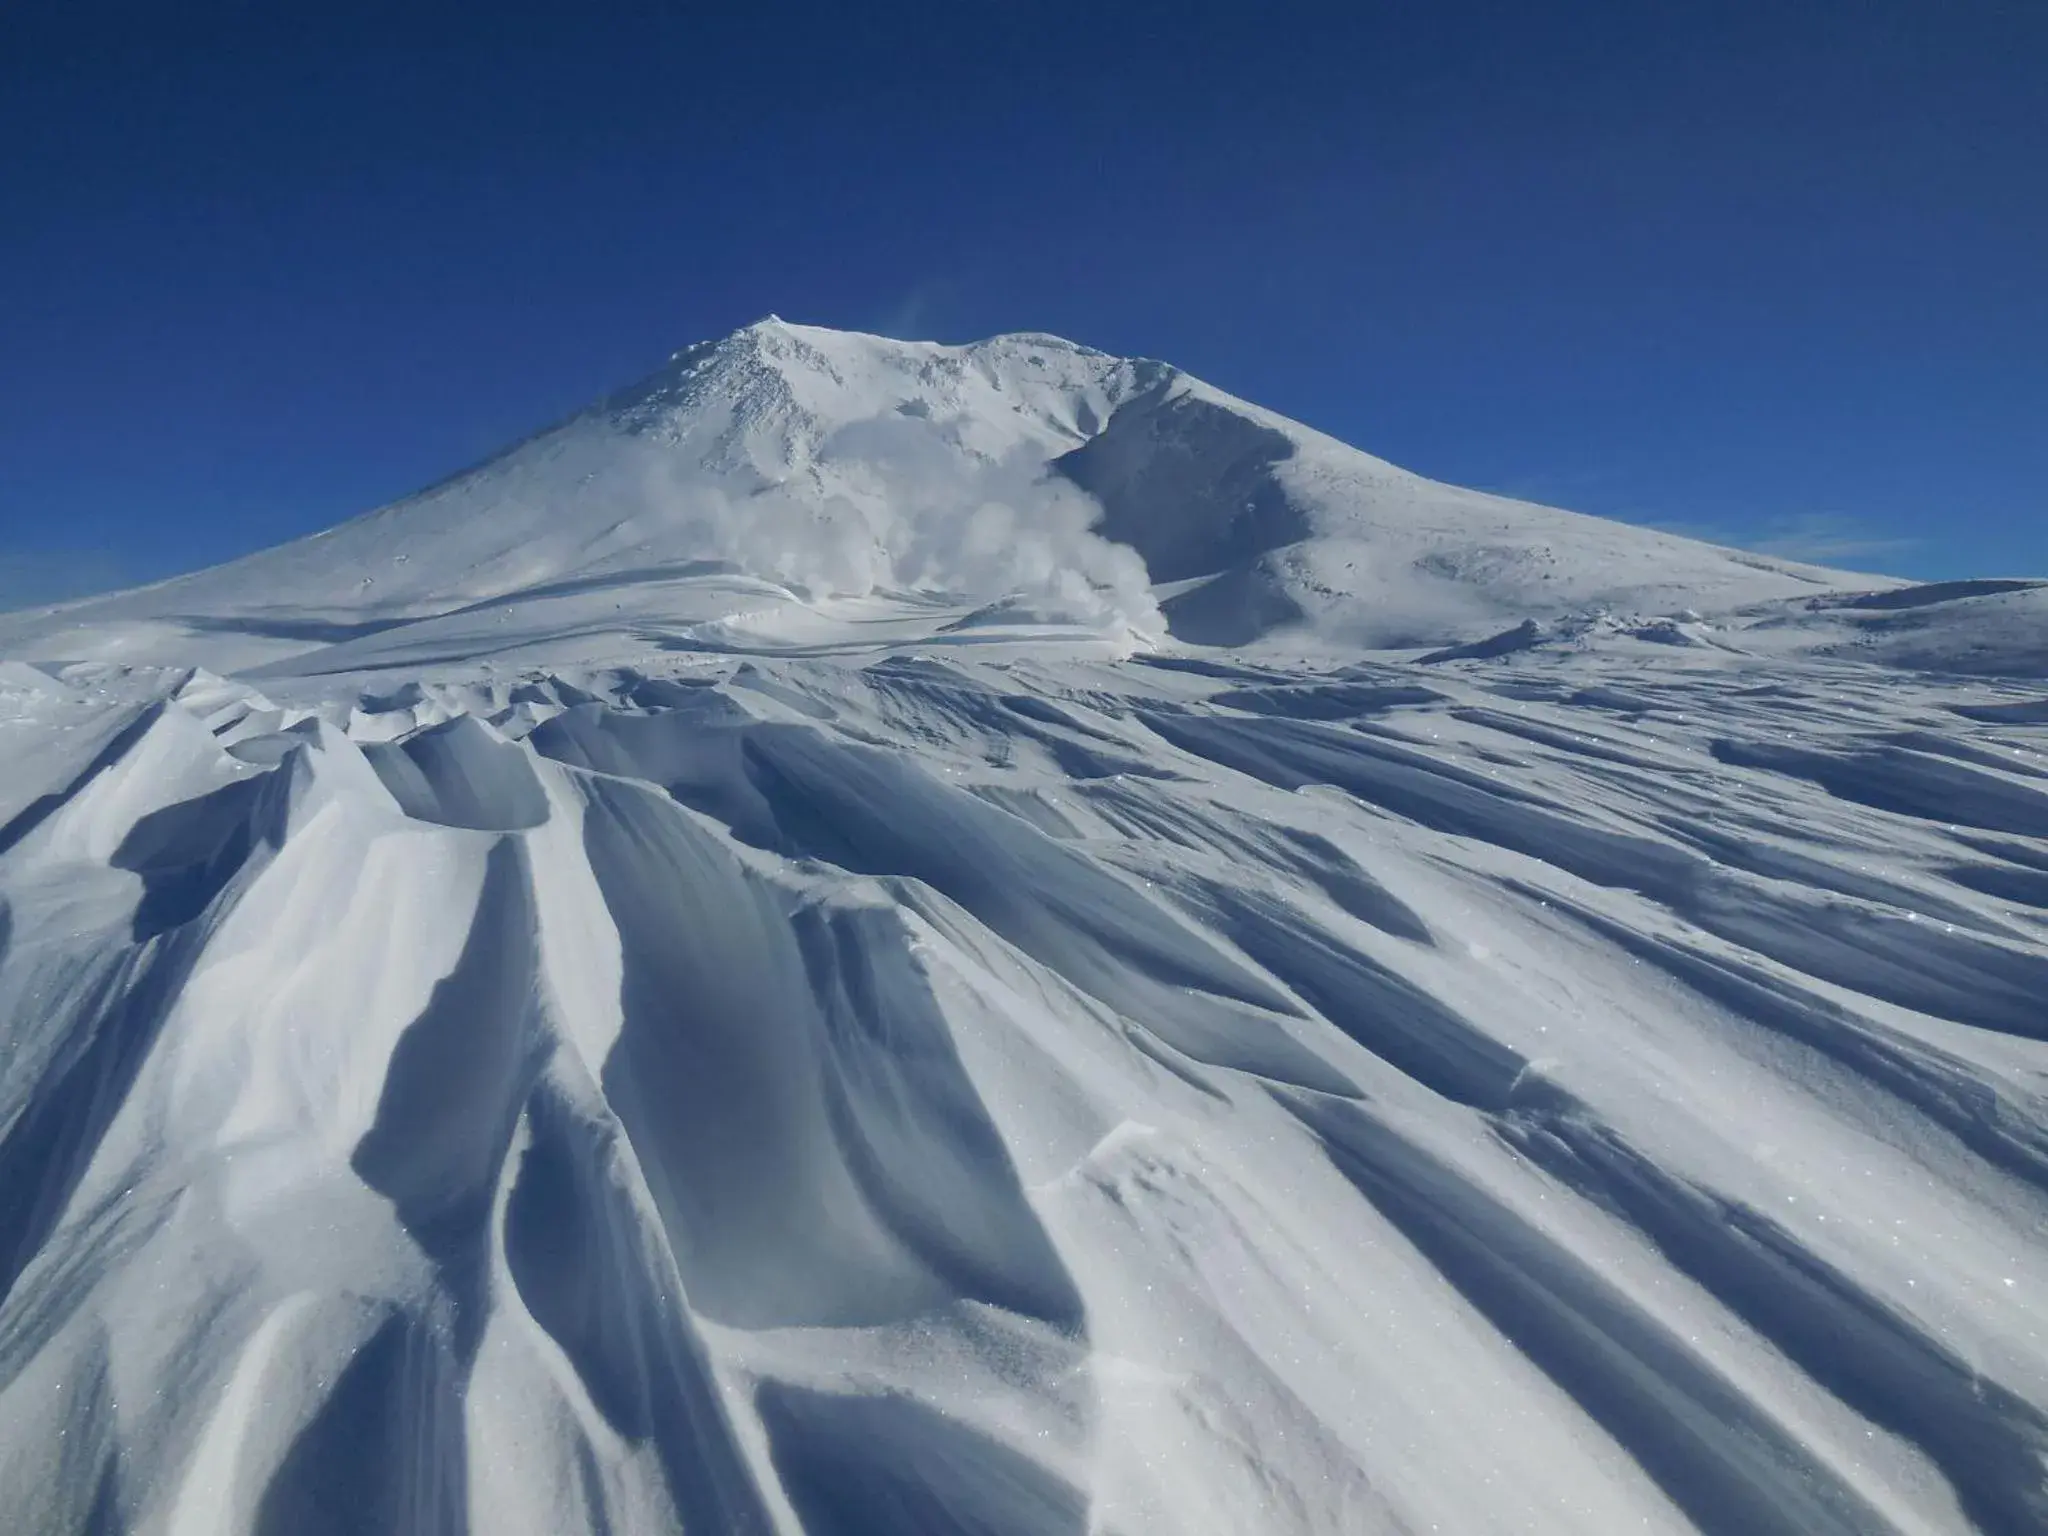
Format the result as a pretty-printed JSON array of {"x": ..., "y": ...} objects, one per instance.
[{"x": 786, "y": 482}]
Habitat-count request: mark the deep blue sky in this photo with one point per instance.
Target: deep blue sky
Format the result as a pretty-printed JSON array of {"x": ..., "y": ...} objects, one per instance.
[{"x": 1770, "y": 272}]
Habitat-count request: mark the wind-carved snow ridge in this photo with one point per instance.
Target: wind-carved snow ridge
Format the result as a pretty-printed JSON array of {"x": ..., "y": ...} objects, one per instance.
[
  {"x": 697, "y": 1003},
  {"x": 1020, "y": 1096}
]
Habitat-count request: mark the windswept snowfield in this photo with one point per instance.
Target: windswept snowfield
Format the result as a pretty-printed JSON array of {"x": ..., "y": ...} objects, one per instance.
[{"x": 875, "y": 938}]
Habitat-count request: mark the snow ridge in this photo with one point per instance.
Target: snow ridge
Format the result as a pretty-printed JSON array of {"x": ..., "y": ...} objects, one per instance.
[{"x": 1025, "y": 1097}]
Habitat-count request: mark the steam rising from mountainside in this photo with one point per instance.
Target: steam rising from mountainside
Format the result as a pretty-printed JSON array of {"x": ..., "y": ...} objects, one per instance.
[{"x": 906, "y": 510}]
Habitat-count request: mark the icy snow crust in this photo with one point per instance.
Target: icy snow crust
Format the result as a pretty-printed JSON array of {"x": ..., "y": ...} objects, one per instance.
[{"x": 846, "y": 1041}]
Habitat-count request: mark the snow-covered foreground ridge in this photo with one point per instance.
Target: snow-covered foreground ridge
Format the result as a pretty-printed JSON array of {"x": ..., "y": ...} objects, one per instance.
[
  {"x": 748, "y": 967},
  {"x": 1548, "y": 1095}
]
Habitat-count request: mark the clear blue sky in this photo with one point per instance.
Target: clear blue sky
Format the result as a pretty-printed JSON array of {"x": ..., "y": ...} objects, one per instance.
[{"x": 1776, "y": 273}]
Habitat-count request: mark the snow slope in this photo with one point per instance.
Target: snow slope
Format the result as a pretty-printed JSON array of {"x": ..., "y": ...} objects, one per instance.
[
  {"x": 786, "y": 470},
  {"x": 798, "y": 1009}
]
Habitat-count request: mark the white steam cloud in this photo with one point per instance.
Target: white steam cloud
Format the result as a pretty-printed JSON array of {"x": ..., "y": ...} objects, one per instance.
[{"x": 889, "y": 505}]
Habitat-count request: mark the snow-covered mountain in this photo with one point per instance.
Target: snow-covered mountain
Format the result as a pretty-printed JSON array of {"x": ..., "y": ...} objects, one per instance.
[
  {"x": 878, "y": 938},
  {"x": 785, "y": 482}
]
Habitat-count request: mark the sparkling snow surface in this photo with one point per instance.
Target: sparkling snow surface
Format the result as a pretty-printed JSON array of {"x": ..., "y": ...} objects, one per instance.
[{"x": 873, "y": 938}]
